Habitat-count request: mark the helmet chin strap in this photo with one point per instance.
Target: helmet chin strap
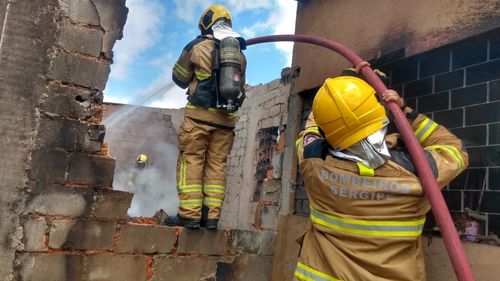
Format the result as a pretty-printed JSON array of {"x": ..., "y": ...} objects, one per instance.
[{"x": 372, "y": 151}]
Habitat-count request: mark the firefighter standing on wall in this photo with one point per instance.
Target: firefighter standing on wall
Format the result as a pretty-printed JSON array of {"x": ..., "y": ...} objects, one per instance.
[
  {"x": 212, "y": 67},
  {"x": 367, "y": 206}
]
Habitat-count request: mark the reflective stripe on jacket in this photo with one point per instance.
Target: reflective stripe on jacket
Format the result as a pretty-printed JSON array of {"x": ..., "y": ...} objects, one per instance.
[
  {"x": 194, "y": 65},
  {"x": 368, "y": 227}
]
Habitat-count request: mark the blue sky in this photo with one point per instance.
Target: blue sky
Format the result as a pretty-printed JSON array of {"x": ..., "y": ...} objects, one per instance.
[{"x": 157, "y": 30}]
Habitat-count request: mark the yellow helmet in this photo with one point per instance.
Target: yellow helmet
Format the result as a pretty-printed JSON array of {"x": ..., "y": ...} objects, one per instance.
[
  {"x": 347, "y": 111},
  {"x": 142, "y": 158},
  {"x": 211, "y": 15}
]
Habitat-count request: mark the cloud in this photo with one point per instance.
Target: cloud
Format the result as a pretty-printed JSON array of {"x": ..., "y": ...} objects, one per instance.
[
  {"x": 161, "y": 92},
  {"x": 173, "y": 98},
  {"x": 281, "y": 20},
  {"x": 285, "y": 15},
  {"x": 142, "y": 30},
  {"x": 190, "y": 10},
  {"x": 116, "y": 99},
  {"x": 238, "y": 6}
]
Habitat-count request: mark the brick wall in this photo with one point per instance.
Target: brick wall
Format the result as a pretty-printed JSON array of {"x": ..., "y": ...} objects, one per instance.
[
  {"x": 458, "y": 85},
  {"x": 249, "y": 205},
  {"x": 61, "y": 218},
  {"x": 107, "y": 247}
]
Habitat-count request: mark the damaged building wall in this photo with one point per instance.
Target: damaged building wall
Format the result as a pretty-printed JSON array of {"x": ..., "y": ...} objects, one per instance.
[
  {"x": 61, "y": 219},
  {"x": 259, "y": 138},
  {"x": 19, "y": 81},
  {"x": 379, "y": 28}
]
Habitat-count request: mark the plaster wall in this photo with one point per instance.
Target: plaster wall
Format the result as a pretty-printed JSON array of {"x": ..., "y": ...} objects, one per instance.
[
  {"x": 22, "y": 58},
  {"x": 373, "y": 29}
]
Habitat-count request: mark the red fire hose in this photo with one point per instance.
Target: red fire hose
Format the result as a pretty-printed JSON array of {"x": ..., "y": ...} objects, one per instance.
[{"x": 439, "y": 208}]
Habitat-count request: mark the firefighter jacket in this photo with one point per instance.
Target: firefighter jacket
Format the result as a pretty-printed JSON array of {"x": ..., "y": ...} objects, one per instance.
[
  {"x": 195, "y": 65},
  {"x": 366, "y": 225}
]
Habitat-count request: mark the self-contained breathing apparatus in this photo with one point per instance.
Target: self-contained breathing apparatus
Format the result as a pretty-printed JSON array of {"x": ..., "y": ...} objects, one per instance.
[{"x": 223, "y": 90}]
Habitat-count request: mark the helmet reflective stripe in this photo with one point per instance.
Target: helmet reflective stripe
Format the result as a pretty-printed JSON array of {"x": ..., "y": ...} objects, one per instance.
[
  {"x": 211, "y": 15},
  {"x": 308, "y": 273},
  {"x": 412, "y": 228}
]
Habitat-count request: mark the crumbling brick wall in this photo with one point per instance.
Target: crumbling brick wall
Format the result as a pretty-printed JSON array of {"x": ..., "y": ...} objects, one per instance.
[
  {"x": 55, "y": 58},
  {"x": 248, "y": 205},
  {"x": 60, "y": 217}
]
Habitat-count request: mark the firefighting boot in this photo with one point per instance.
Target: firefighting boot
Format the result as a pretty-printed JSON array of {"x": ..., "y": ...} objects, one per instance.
[
  {"x": 180, "y": 221},
  {"x": 205, "y": 221},
  {"x": 211, "y": 224}
]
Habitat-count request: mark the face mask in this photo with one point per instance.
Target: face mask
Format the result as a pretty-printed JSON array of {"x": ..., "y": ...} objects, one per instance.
[
  {"x": 371, "y": 151},
  {"x": 223, "y": 29}
]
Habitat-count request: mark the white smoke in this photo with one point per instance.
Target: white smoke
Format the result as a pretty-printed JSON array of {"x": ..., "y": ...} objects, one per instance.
[
  {"x": 129, "y": 135},
  {"x": 154, "y": 187}
]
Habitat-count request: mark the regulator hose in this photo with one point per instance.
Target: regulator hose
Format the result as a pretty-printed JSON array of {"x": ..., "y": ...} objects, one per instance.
[{"x": 450, "y": 236}]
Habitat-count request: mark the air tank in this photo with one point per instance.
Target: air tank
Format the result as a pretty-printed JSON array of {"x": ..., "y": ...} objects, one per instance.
[{"x": 230, "y": 69}]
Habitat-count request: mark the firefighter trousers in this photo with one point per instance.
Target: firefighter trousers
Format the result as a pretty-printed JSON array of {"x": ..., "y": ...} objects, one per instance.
[{"x": 203, "y": 151}]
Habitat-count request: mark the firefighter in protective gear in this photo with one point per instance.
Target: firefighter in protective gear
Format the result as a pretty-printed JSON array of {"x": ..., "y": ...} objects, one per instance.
[
  {"x": 367, "y": 206},
  {"x": 141, "y": 163},
  {"x": 206, "y": 133}
]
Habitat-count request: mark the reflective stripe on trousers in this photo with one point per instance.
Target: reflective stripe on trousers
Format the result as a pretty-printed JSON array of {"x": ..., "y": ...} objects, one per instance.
[
  {"x": 367, "y": 227},
  {"x": 308, "y": 273}
]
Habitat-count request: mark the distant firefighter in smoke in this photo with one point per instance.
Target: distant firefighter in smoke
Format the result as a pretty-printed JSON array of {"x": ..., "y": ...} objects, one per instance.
[
  {"x": 136, "y": 182},
  {"x": 139, "y": 182}
]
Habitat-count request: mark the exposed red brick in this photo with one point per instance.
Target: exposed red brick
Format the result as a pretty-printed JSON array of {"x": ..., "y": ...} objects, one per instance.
[{"x": 149, "y": 267}]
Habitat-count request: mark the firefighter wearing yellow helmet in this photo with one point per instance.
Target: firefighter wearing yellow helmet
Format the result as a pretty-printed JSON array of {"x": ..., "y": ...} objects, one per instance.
[
  {"x": 135, "y": 182},
  {"x": 367, "y": 207},
  {"x": 141, "y": 161},
  {"x": 212, "y": 68}
]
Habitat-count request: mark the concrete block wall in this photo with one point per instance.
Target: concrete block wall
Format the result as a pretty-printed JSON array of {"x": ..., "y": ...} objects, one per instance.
[
  {"x": 266, "y": 106},
  {"x": 97, "y": 248},
  {"x": 458, "y": 85},
  {"x": 60, "y": 217}
]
